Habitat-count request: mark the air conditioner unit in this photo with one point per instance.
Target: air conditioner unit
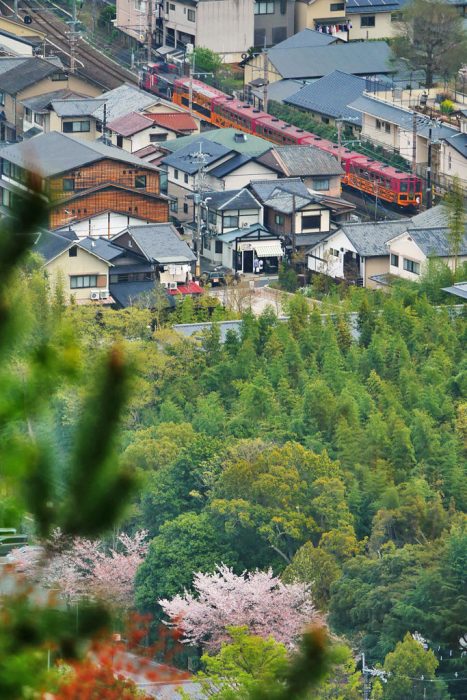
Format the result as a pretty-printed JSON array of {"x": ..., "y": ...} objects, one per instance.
[
  {"x": 165, "y": 285},
  {"x": 245, "y": 224},
  {"x": 173, "y": 285},
  {"x": 166, "y": 17},
  {"x": 95, "y": 296},
  {"x": 104, "y": 295}
]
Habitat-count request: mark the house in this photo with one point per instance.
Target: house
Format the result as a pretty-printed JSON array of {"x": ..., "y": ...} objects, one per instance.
[
  {"x": 19, "y": 29},
  {"x": 329, "y": 18},
  {"x": 373, "y": 19},
  {"x": 356, "y": 252},
  {"x": 166, "y": 258},
  {"x": 201, "y": 23},
  {"x": 82, "y": 179},
  {"x": 310, "y": 63},
  {"x": 328, "y": 99},
  {"x": 318, "y": 169},
  {"x": 410, "y": 251},
  {"x": 78, "y": 267},
  {"x": 106, "y": 224},
  {"x": 273, "y": 21},
  {"x": 297, "y": 217},
  {"x": 37, "y": 113},
  {"x": 208, "y": 163},
  {"x": 242, "y": 247},
  {"x": 136, "y": 130},
  {"x": 14, "y": 45},
  {"x": 223, "y": 212},
  {"x": 21, "y": 78}
]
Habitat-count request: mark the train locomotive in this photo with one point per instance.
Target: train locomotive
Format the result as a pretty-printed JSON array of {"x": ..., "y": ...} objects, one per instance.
[{"x": 360, "y": 172}]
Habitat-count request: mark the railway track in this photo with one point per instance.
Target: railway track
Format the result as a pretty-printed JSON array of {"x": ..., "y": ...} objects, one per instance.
[{"x": 96, "y": 66}]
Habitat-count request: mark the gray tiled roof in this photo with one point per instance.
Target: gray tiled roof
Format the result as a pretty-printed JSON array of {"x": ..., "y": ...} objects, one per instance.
[
  {"x": 159, "y": 243},
  {"x": 303, "y": 161},
  {"x": 331, "y": 95},
  {"x": 101, "y": 247},
  {"x": 27, "y": 73},
  {"x": 250, "y": 144},
  {"x": 369, "y": 239},
  {"x": 358, "y": 58},
  {"x": 124, "y": 99},
  {"x": 41, "y": 102},
  {"x": 232, "y": 199},
  {"x": 436, "y": 216},
  {"x": 9, "y": 62},
  {"x": 186, "y": 158},
  {"x": 459, "y": 290},
  {"x": 230, "y": 165},
  {"x": 240, "y": 232},
  {"x": 280, "y": 90},
  {"x": 126, "y": 293},
  {"x": 49, "y": 245},
  {"x": 434, "y": 241},
  {"x": 285, "y": 202},
  {"x": 305, "y": 38},
  {"x": 457, "y": 141},
  {"x": 263, "y": 189},
  {"x": 54, "y": 153},
  {"x": 76, "y": 108}
]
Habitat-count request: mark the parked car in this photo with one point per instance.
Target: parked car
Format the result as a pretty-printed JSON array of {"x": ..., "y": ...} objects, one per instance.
[{"x": 214, "y": 277}]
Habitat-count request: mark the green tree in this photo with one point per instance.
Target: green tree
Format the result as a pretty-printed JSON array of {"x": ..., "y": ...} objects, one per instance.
[
  {"x": 410, "y": 668},
  {"x": 207, "y": 61},
  {"x": 316, "y": 567},
  {"x": 432, "y": 38},
  {"x": 456, "y": 219}
]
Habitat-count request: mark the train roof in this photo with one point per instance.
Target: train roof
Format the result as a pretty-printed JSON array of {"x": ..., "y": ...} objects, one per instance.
[{"x": 202, "y": 88}]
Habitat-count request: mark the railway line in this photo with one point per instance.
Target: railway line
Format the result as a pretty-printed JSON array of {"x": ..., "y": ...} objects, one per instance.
[{"x": 91, "y": 63}]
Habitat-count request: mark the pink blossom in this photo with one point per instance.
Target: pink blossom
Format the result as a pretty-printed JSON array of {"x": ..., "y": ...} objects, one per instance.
[{"x": 259, "y": 600}]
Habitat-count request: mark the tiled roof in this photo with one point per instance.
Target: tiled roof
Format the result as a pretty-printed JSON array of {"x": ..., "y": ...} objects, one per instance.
[
  {"x": 159, "y": 243},
  {"x": 146, "y": 151},
  {"x": 231, "y": 199},
  {"x": 27, "y": 73},
  {"x": 130, "y": 124},
  {"x": 49, "y": 245},
  {"x": 101, "y": 247},
  {"x": 84, "y": 107},
  {"x": 54, "y": 153},
  {"x": 459, "y": 289},
  {"x": 369, "y": 239},
  {"x": 457, "y": 141},
  {"x": 285, "y": 202},
  {"x": 124, "y": 99},
  {"x": 40, "y": 103},
  {"x": 431, "y": 218},
  {"x": 180, "y": 122},
  {"x": 280, "y": 90},
  {"x": 331, "y": 95},
  {"x": 126, "y": 293},
  {"x": 263, "y": 189},
  {"x": 240, "y": 232},
  {"x": 187, "y": 158},
  {"x": 383, "y": 110},
  {"x": 435, "y": 241},
  {"x": 251, "y": 145},
  {"x": 230, "y": 165},
  {"x": 358, "y": 58},
  {"x": 303, "y": 161},
  {"x": 306, "y": 38}
]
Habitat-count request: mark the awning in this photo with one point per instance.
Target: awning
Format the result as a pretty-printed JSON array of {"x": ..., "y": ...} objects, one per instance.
[{"x": 268, "y": 249}]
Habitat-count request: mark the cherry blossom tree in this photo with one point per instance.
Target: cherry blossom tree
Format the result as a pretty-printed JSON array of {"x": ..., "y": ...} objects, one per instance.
[
  {"x": 258, "y": 600},
  {"x": 86, "y": 569}
]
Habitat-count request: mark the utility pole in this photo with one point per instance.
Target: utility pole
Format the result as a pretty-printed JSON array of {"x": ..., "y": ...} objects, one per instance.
[
  {"x": 73, "y": 38},
  {"x": 414, "y": 143},
  {"x": 190, "y": 52},
  {"x": 149, "y": 31},
  {"x": 15, "y": 11},
  {"x": 366, "y": 680},
  {"x": 294, "y": 213},
  {"x": 339, "y": 139},
  {"x": 265, "y": 78},
  {"x": 429, "y": 193}
]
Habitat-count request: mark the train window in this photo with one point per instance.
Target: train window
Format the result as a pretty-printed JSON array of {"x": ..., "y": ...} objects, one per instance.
[{"x": 403, "y": 187}]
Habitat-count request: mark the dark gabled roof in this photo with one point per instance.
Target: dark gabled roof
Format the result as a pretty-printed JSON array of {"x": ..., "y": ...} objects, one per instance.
[
  {"x": 457, "y": 141},
  {"x": 130, "y": 124},
  {"x": 331, "y": 95},
  {"x": 49, "y": 245},
  {"x": 305, "y": 161},
  {"x": 159, "y": 243},
  {"x": 285, "y": 202},
  {"x": 230, "y": 165},
  {"x": 126, "y": 293},
  {"x": 459, "y": 289},
  {"x": 431, "y": 218},
  {"x": 278, "y": 91},
  {"x": 383, "y": 110},
  {"x": 27, "y": 73},
  {"x": 188, "y": 159},
  {"x": 435, "y": 241},
  {"x": 102, "y": 247},
  {"x": 231, "y": 199},
  {"x": 358, "y": 58},
  {"x": 242, "y": 232},
  {"x": 263, "y": 189},
  {"x": 369, "y": 239},
  {"x": 306, "y": 38},
  {"x": 54, "y": 153},
  {"x": 40, "y": 103}
]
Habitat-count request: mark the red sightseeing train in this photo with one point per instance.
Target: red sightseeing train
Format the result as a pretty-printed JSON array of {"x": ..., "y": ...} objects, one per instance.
[{"x": 361, "y": 173}]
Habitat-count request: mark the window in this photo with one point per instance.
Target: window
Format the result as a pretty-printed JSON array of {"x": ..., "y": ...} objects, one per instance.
[
  {"x": 334, "y": 252},
  {"x": 378, "y": 124},
  {"x": 279, "y": 219},
  {"x": 449, "y": 162},
  {"x": 207, "y": 244},
  {"x": 119, "y": 141},
  {"x": 28, "y": 114},
  {"x": 185, "y": 208},
  {"x": 368, "y": 21},
  {"x": 76, "y": 127},
  {"x": 337, "y": 6},
  {"x": 394, "y": 260},
  {"x": 73, "y": 252},
  {"x": 39, "y": 119},
  {"x": 175, "y": 174},
  {"x": 387, "y": 128},
  {"x": 185, "y": 178},
  {"x": 172, "y": 7},
  {"x": 230, "y": 221},
  {"x": 219, "y": 247},
  {"x": 264, "y": 8},
  {"x": 6, "y": 167},
  {"x": 191, "y": 15},
  {"x": 279, "y": 34},
  {"x": 2, "y": 98},
  {"x": 412, "y": 266},
  {"x": 321, "y": 183},
  {"x": 325, "y": 120},
  {"x": 68, "y": 184},
  {"x": 212, "y": 217},
  {"x": 140, "y": 181},
  {"x": 83, "y": 281},
  {"x": 154, "y": 138},
  {"x": 313, "y": 221},
  {"x": 58, "y": 77},
  {"x": 259, "y": 37},
  {"x": 396, "y": 16},
  {"x": 174, "y": 206}
]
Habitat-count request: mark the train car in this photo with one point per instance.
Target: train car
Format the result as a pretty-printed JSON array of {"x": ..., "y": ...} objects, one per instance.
[
  {"x": 159, "y": 78},
  {"x": 360, "y": 172}
]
